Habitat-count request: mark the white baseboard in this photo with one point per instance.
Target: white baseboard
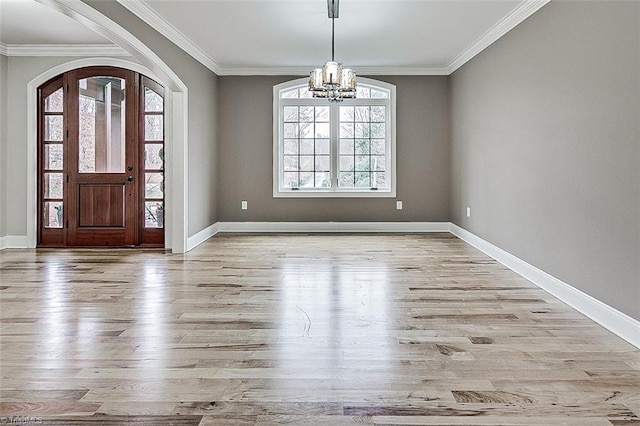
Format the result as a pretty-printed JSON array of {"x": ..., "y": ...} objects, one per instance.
[
  {"x": 334, "y": 226},
  {"x": 14, "y": 241},
  {"x": 613, "y": 320},
  {"x": 202, "y": 236}
]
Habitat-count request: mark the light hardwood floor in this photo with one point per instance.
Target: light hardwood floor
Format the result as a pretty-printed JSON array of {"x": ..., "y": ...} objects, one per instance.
[{"x": 301, "y": 329}]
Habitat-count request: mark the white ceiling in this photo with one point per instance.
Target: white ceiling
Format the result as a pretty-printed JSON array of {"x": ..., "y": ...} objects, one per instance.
[
  {"x": 27, "y": 22},
  {"x": 292, "y": 36},
  {"x": 290, "y": 33}
]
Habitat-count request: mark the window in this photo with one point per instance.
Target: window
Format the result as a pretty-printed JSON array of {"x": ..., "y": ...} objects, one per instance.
[{"x": 326, "y": 149}]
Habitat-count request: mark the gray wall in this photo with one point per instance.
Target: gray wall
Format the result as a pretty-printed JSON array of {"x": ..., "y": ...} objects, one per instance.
[
  {"x": 3, "y": 146},
  {"x": 20, "y": 71},
  {"x": 203, "y": 114},
  {"x": 545, "y": 146},
  {"x": 246, "y": 152}
]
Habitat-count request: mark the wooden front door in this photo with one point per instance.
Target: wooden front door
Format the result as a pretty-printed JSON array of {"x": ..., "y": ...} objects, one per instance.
[
  {"x": 102, "y": 158},
  {"x": 101, "y": 188}
]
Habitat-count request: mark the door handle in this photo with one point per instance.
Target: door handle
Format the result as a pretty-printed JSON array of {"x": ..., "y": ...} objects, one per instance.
[{"x": 129, "y": 178}]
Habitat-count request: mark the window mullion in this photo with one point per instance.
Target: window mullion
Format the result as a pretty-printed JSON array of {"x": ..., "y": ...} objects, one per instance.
[{"x": 335, "y": 140}]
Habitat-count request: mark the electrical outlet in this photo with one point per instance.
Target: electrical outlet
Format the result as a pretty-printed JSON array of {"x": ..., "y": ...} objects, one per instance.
[
  {"x": 468, "y": 211},
  {"x": 244, "y": 205},
  {"x": 398, "y": 205}
]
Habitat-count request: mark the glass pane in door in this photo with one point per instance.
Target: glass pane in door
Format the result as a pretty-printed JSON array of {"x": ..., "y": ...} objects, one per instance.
[
  {"x": 153, "y": 102},
  {"x": 53, "y": 156},
  {"x": 154, "y": 214},
  {"x": 102, "y": 125},
  {"x": 54, "y": 102},
  {"x": 53, "y": 214}
]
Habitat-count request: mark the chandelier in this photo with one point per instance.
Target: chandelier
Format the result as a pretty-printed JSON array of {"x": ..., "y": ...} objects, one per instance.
[{"x": 332, "y": 81}]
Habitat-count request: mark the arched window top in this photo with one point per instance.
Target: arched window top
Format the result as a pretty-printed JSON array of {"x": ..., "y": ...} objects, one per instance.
[{"x": 366, "y": 89}]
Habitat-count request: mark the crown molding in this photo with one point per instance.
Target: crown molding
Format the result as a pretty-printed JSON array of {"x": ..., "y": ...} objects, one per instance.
[
  {"x": 304, "y": 71},
  {"x": 506, "y": 24},
  {"x": 62, "y": 50},
  {"x": 164, "y": 27}
]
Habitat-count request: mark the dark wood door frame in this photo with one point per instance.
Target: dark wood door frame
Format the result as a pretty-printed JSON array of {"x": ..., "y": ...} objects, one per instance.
[{"x": 105, "y": 208}]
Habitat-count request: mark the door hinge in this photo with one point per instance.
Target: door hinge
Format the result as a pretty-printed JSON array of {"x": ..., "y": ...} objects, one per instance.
[
  {"x": 67, "y": 88},
  {"x": 67, "y": 224},
  {"x": 67, "y": 134},
  {"x": 67, "y": 178}
]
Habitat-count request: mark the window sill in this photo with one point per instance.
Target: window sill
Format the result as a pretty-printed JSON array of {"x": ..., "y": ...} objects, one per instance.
[{"x": 333, "y": 194}]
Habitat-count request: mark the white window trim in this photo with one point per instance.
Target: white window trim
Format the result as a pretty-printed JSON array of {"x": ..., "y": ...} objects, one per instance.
[{"x": 333, "y": 192}]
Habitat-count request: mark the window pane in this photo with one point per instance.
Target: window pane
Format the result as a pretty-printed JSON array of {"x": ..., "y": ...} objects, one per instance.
[
  {"x": 291, "y": 180},
  {"x": 306, "y": 114},
  {"x": 152, "y": 101},
  {"x": 363, "y": 92},
  {"x": 322, "y": 163},
  {"x": 323, "y": 180},
  {"x": 378, "y": 114},
  {"x": 306, "y": 146},
  {"x": 346, "y": 163},
  {"x": 362, "y": 130},
  {"x": 323, "y": 146},
  {"x": 347, "y": 114},
  {"x": 306, "y": 130},
  {"x": 306, "y": 163},
  {"x": 378, "y": 163},
  {"x": 53, "y": 156},
  {"x": 363, "y": 180},
  {"x": 346, "y": 146},
  {"x": 54, "y": 102},
  {"x": 290, "y": 130},
  {"x": 377, "y": 130},
  {"x": 291, "y": 93},
  {"x": 322, "y": 130},
  {"x": 362, "y": 114},
  {"x": 346, "y": 180},
  {"x": 362, "y": 163},
  {"x": 290, "y": 114},
  {"x": 153, "y": 156},
  {"x": 290, "y": 146},
  {"x": 154, "y": 214},
  {"x": 322, "y": 114},
  {"x": 53, "y": 185},
  {"x": 362, "y": 146},
  {"x": 307, "y": 179},
  {"x": 290, "y": 163},
  {"x": 53, "y": 128},
  {"x": 378, "y": 146},
  {"x": 102, "y": 125},
  {"x": 380, "y": 180},
  {"x": 304, "y": 92},
  {"x": 153, "y": 185},
  {"x": 346, "y": 130},
  {"x": 379, "y": 93},
  {"x": 53, "y": 215},
  {"x": 153, "y": 130}
]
